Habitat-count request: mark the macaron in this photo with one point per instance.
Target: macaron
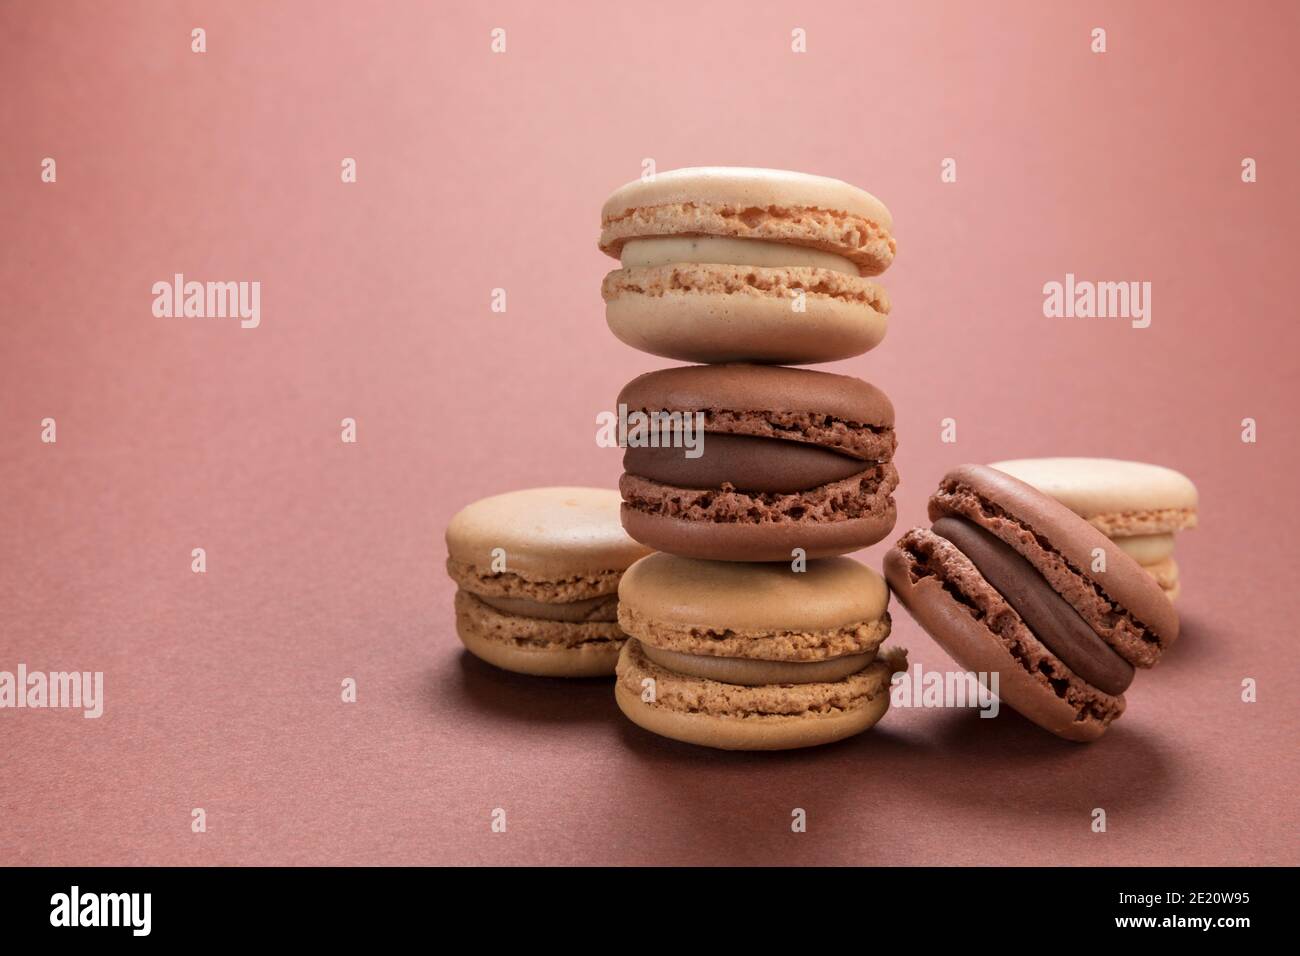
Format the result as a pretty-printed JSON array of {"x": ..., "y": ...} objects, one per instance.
[
  {"x": 537, "y": 573},
  {"x": 789, "y": 458},
  {"x": 723, "y": 264},
  {"x": 1140, "y": 506},
  {"x": 754, "y": 656},
  {"x": 1012, "y": 582}
]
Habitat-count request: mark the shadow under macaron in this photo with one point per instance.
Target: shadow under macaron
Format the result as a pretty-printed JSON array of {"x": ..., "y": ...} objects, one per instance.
[
  {"x": 1003, "y": 766},
  {"x": 531, "y": 699},
  {"x": 651, "y": 747},
  {"x": 1009, "y": 765},
  {"x": 1198, "y": 648}
]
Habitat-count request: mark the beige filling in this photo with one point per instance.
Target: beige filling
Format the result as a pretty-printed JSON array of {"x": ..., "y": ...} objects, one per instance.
[
  {"x": 755, "y": 673},
  {"x": 668, "y": 250},
  {"x": 594, "y": 610},
  {"x": 1147, "y": 548}
]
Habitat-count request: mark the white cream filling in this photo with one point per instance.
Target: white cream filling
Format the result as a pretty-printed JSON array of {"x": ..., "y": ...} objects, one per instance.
[
  {"x": 1147, "y": 548},
  {"x": 666, "y": 250},
  {"x": 753, "y": 673}
]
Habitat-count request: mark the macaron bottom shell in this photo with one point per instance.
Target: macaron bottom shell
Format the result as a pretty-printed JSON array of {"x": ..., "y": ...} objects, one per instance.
[
  {"x": 534, "y": 646},
  {"x": 739, "y": 727},
  {"x": 724, "y": 524},
  {"x": 720, "y": 326}
]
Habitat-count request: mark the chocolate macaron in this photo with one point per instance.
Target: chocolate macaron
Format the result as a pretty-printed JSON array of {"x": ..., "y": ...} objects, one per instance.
[
  {"x": 1009, "y": 580},
  {"x": 723, "y": 264},
  {"x": 754, "y": 656},
  {"x": 790, "y": 458},
  {"x": 537, "y": 573}
]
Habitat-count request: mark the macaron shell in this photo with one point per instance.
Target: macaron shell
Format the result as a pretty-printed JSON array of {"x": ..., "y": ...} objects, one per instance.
[
  {"x": 741, "y": 733},
  {"x": 978, "y": 649},
  {"x": 753, "y": 597},
  {"x": 532, "y": 646},
  {"x": 760, "y": 388},
  {"x": 1024, "y": 518},
  {"x": 732, "y": 717},
  {"x": 745, "y": 186},
  {"x": 1118, "y": 497},
  {"x": 723, "y": 327},
  {"x": 800, "y": 644},
  {"x": 546, "y": 533},
  {"x": 736, "y": 541}
]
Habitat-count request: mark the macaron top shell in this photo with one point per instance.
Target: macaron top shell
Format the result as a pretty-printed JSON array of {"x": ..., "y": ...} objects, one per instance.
[
  {"x": 546, "y": 533},
  {"x": 1006, "y": 500},
  {"x": 830, "y": 593},
  {"x": 1102, "y": 486},
  {"x": 760, "y": 388},
  {"x": 765, "y": 204},
  {"x": 746, "y": 186}
]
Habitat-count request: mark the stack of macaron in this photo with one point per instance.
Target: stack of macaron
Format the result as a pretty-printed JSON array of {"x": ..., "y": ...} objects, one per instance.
[
  {"x": 1138, "y": 506},
  {"x": 751, "y": 477}
]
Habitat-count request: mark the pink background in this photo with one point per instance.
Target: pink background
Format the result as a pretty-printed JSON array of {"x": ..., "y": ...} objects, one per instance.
[{"x": 479, "y": 170}]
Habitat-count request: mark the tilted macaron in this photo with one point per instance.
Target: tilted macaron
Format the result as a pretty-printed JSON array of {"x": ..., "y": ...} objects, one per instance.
[
  {"x": 791, "y": 458},
  {"x": 754, "y": 656},
  {"x": 1009, "y": 580},
  {"x": 538, "y": 573},
  {"x": 723, "y": 264},
  {"x": 1139, "y": 506}
]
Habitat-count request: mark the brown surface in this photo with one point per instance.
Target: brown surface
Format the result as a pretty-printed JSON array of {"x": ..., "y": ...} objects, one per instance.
[{"x": 324, "y": 559}]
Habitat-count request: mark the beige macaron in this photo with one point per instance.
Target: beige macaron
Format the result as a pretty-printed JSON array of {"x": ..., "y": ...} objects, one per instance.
[
  {"x": 1139, "y": 506},
  {"x": 730, "y": 264},
  {"x": 754, "y": 656},
  {"x": 537, "y": 573}
]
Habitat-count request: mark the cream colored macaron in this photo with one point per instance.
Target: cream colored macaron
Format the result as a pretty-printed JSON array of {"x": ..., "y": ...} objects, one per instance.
[
  {"x": 754, "y": 656},
  {"x": 538, "y": 573},
  {"x": 730, "y": 264},
  {"x": 1138, "y": 505}
]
